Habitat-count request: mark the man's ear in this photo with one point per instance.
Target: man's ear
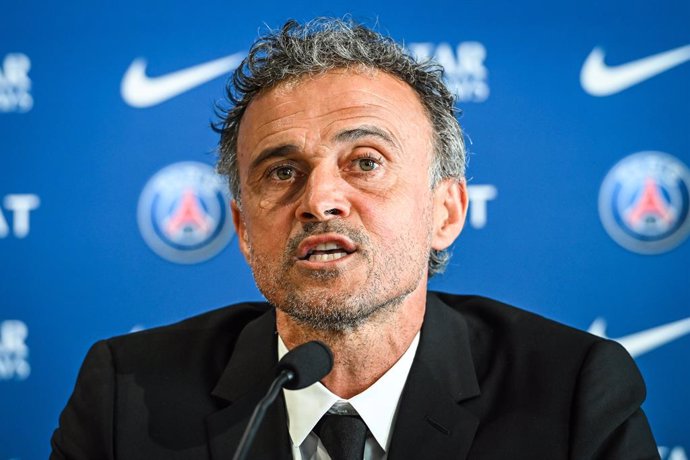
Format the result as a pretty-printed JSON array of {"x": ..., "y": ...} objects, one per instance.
[
  {"x": 450, "y": 209},
  {"x": 240, "y": 228}
]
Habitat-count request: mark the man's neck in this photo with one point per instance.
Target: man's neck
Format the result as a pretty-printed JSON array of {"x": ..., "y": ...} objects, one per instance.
[{"x": 363, "y": 354}]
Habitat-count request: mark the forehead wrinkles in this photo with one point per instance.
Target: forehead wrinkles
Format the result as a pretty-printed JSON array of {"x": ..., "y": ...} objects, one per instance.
[
  {"x": 300, "y": 111},
  {"x": 301, "y": 106},
  {"x": 324, "y": 94},
  {"x": 322, "y": 124}
]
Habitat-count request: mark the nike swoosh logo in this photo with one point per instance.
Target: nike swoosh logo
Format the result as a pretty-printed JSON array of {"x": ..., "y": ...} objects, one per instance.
[
  {"x": 141, "y": 91},
  {"x": 645, "y": 341},
  {"x": 599, "y": 79}
]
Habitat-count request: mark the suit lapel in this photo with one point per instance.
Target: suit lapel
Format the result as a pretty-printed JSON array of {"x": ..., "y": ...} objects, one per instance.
[
  {"x": 243, "y": 383},
  {"x": 431, "y": 418}
]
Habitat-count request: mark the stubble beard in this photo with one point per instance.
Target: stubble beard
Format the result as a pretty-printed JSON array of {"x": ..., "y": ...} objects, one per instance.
[{"x": 388, "y": 282}]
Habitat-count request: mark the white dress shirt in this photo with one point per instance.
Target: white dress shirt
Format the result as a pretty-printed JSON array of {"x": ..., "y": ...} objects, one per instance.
[{"x": 377, "y": 405}]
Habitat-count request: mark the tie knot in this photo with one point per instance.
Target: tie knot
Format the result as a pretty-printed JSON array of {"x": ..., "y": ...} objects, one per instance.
[{"x": 343, "y": 436}]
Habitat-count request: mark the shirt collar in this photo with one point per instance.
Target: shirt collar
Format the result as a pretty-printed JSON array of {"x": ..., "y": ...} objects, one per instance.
[{"x": 377, "y": 405}]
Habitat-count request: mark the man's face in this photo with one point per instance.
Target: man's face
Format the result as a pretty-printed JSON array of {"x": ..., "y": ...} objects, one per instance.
[{"x": 337, "y": 215}]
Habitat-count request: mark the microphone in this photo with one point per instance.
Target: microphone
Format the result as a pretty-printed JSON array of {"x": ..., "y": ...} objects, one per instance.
[
  {"x": 300, "y": 367},
  {"x": 307, "y": 363}
]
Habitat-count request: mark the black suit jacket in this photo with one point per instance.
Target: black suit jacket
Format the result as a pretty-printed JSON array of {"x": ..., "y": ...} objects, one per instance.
[{"x": 489, "y": 381}]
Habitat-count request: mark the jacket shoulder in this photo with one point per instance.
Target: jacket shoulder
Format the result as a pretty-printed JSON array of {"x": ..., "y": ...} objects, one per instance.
[
  {"x": 581, "y": 392},
  {"x": 149, "y": 392},
  {"x": 197, "y": 346},
  {"x": 500, "y": 333},
  {"x": 505, "y": 322}
]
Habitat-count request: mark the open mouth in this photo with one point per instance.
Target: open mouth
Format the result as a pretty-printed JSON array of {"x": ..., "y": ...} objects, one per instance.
[{"x": 325, "y": 252}]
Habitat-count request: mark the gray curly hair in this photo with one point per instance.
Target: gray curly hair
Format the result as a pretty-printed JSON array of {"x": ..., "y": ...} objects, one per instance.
[{"x": 324, "y": 44}]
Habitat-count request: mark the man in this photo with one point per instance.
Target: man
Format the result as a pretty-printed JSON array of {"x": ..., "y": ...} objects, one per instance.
[{"x": 347, "y": 167}]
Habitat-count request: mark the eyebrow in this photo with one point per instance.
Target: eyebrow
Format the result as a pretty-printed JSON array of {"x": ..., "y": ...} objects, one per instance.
[
  {"x": 360, "y": 132},
  {"x": 348, "y": 135},
  {"x": 272, "y": 152}
]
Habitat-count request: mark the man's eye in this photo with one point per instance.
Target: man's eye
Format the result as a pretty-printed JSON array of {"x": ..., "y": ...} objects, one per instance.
[
  {"x": 367, "y": 164},
  {"x": 283, "y": 173}
]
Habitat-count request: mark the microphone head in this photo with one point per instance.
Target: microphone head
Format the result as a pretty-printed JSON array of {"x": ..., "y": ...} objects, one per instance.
[{"x": 309, "y": 363}]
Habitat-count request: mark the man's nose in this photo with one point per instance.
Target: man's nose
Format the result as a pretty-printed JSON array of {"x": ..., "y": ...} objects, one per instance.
[{"x": 324, "y": 197}]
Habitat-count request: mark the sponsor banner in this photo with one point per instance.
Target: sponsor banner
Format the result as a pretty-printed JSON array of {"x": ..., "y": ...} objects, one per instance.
[
  {"x": 14, "y": 352},
  {"x": 579, "y": 208},
  {"x": 641, "y": 342},
  {"x": 141, "y": 91},
  {"x": 644, "y": 202},
  {"x": 600, "y": 79},
  {"x": 464, "y": 67},
  {"x": 15, "y": 218},
  {"x": 479, "y": 196},
  {"x": 184, "y": 214},
  {"x": 15, "y": 84},
  {"x": 673, "y": 453}
]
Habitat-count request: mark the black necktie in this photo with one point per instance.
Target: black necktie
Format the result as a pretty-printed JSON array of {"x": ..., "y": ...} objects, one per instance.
[{"x": 343, "y": 436}]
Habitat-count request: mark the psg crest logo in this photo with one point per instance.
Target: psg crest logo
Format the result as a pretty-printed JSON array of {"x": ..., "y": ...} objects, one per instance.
[
  {"x": 644, "y": 201},
  {"x": 184, "y": 214}
]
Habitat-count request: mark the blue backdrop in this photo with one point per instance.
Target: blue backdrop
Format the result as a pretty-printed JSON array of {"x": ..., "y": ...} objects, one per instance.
[{"x": 577, "y": 119}]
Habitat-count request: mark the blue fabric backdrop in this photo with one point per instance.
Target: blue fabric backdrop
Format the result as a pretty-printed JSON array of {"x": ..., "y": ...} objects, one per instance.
[{"x": 576, "y": 116}]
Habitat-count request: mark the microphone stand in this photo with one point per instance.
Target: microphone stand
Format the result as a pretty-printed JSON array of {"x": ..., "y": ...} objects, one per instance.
[{"x": 259, "y": 413}]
